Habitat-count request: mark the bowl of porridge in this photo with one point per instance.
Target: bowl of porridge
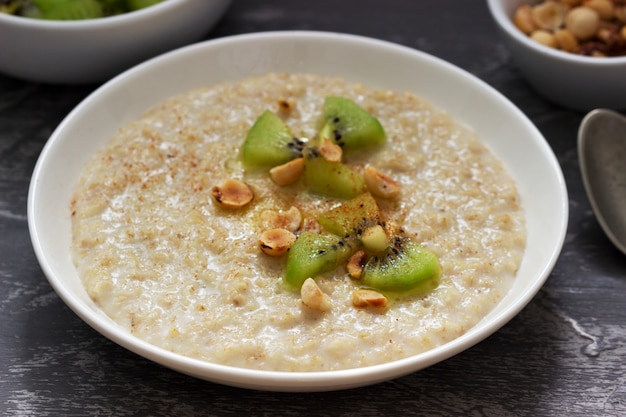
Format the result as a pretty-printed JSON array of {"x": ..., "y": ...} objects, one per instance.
[{"x": 154, "y": 224}]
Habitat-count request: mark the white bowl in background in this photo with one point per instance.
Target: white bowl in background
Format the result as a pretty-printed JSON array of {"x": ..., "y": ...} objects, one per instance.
[
  {"x": 569, "y": 80},
  {"x": 378, "y": 64},
  {"x": 94, "y": 50}
]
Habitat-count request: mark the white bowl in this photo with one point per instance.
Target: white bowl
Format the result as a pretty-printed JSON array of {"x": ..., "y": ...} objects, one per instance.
[
  {"x": 573, "y": 81},
  {"x": 93, "y": 50},
  {"x": 378, "y": 64}
]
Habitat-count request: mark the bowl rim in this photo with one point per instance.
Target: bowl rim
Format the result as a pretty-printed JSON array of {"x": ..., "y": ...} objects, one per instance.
[
  {"x": 96, "y": 23},
  {"x": 281, "y": 380},
  {"x": 505, "y": 22}
]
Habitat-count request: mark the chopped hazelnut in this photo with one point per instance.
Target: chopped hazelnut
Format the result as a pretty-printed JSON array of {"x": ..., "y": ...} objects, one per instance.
[
  {"x": 565, "y": 40},
  {"x": 287, "y": 173},
  {"x": 375, "y": 238},
  {"x": 290, "y": 219},
  {"x": 620, "y": 13},
  {"x": 276, "y": 242},
  {"x": 523, "y": 19},
  {"x": 549, "y": 15},
  {"x": 583, "y": 22},
  {"x": 232, "y": 194},
  {"x": 604, "y": 8},
  {"x": 368, "y": 298},
  {"x": 544, "y": 37},
  {"x": 355, "y": 264},
  {"x": 379, "y": 184},
  {"x": 330, "y": 151},
  {"x": 313, "y": 297}
]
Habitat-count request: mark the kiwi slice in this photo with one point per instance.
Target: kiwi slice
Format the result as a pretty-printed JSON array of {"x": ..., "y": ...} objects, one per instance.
[
  {"x": 351, "y": 217},
  {"x": 270, "y": 142},
  {"x": 349, "y": 125},
  {"x": 406, "y": 266},
  {"x": 141, "y": 4},
  {"x": 313, "y": 254},
  {"x": 11, "y": 6},
  {"x": 332, "y": 179},
  {"x": 68, "y": 9}
]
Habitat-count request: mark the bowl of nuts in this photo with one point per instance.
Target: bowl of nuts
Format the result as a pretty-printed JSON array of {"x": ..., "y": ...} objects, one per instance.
[{"x": 573, "y": 52}]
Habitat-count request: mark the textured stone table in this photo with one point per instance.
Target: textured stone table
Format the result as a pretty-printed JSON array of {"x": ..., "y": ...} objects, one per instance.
[{"x": 564, "y": 355}]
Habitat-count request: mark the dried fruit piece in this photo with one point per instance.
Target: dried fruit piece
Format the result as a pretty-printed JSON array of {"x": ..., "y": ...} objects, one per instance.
[
  {"x": 313, "y": 297},
  {"x": 276, "y": 242},
  {"x": 232, "y": 194}
]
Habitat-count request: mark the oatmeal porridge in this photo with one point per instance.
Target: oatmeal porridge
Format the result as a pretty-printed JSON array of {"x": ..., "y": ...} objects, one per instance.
[{"x": 177, "y": 270}]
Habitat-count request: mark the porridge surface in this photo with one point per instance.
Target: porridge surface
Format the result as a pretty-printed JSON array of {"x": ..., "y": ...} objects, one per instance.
[{"x": 164, "y": 261}]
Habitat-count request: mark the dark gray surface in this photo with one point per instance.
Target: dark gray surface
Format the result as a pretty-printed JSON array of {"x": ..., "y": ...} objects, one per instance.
[{"x": 564, "y": 355}]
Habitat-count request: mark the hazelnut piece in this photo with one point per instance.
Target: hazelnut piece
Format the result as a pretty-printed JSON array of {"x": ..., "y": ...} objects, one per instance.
[
  {"x": 583, "y": 22},
  {"x": 544, "y": 37},
  {"x": 330, "y": 151},
  {"x": 355, "y": 264},
  {"x": 548, "y": 15},
  {"x": 523, "y": 19},
  {"x": 276, "y": 242},
  {"x": 566, "y": 40},
  {"x": 313, "y": 297},
  {"x": 375, "y": 238},
  {"x": 604, "y": 8},
  {"x": 232, "y": 194},
  {"x": 286, "y": 219},
  {"x": 379, "y": 184},
  {"x": 287, "y": 173},
  {"x": 368, "y": 298}
]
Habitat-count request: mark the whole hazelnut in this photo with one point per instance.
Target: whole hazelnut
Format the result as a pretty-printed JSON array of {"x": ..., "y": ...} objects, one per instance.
[{"x": 583, "y": 22}]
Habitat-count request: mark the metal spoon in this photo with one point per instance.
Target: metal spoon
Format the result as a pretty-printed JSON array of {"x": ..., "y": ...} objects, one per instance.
[{"x": 602, "y": 155}]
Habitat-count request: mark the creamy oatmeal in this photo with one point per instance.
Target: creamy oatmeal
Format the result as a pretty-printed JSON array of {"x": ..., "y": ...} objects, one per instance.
[{"x": 163, "y": 260}]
